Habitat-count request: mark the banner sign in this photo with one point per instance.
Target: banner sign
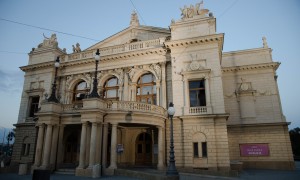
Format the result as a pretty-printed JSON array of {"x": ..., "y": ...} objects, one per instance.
[{"x": 254, "y": 149}]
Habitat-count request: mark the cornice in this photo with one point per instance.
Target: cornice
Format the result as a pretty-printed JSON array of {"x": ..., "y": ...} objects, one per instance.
[
  {"x": 258, "y": 124},
  {"x": 246, "y": 51},
  {"x": 37, "y": 66},
  {"x": 197, "y": 40},
  {"x": 273, "y": 65}
]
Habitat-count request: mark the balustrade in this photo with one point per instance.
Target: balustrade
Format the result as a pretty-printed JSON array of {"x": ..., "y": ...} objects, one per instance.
[{"x": 115, "y": 49}]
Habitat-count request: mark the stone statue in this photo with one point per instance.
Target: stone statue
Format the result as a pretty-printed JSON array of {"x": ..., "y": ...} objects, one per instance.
[
  {"x": 77, "y": 48},
  {"x": 134, "y": 21},
  {"x": 189, "y": 12},
  {"x": 265, "y": 44},
  {"x": 49, "y": 42}
]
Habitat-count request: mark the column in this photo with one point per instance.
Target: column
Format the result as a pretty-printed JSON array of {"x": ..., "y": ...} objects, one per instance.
[
  {"x": 120, "y": 92},
  {"x": 160, "y": 164},
  {"x": 93, "y": 145},
  {"x": 157, "y": 93},
  {"x": 54, "y": 146},
  {"x": 99, "y": 144},
  {"x": 207, "y": 95},
  {"x": 113, "y": 147},
  {"x": 133, "y": 92},
  {"x": 163, "y": 85},
  {"x": 87, "y": 145},
  {"x": 125, "y": 91},
  {"x": 60, "y": 144},
  {"x": 39, "y": 146},
  {"x": 47, "y": 147},
  {"x": 104, "y": 145},
  {"x": 82, "y": 145}
]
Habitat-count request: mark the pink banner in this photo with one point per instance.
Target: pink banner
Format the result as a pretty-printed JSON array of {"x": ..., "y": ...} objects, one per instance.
[{"x": 254, "y": 149}]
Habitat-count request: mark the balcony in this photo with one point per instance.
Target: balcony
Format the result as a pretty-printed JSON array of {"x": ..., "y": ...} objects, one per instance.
[
  {"x": 200, "y": 110},
  {"x": 128, "y": 106}
]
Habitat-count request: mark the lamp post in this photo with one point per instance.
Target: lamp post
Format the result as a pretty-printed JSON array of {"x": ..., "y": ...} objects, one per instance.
[
  {"x": 52, "y": 97},
  {"x": 94, "y": 93},
  {"x": 172, "y": 171}
]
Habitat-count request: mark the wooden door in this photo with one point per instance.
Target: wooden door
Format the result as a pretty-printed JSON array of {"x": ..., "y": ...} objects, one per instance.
[{"x": 143, "y": 150}]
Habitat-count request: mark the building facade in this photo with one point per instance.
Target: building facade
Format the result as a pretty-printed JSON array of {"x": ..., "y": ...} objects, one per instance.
[{"x": 228, "y": 108}]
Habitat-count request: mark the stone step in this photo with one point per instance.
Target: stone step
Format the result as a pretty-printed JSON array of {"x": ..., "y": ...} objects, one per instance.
[{"x": 65, "y": 171}]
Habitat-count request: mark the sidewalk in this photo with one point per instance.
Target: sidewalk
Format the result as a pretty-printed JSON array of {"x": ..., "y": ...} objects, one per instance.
[{"x": 252, "y": 174}]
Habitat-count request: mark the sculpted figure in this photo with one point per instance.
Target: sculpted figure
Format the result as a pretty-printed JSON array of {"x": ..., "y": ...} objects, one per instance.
[
  {"x": 184, "y": 12},
  {"x": 77, "y": 48}
]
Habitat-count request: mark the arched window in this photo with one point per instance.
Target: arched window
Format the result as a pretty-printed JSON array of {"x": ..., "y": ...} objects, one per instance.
[
  {"x": 146, "y": 89},
  {"x": 80, "y": 91},
  {"x": 111, "y": 88}
]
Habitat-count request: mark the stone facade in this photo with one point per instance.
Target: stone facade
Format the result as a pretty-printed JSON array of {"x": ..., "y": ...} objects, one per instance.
[{"x": 224, "y": 101}]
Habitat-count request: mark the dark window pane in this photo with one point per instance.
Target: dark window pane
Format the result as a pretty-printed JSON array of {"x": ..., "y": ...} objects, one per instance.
[
  {"x": 141, "y": 137},
  {"x": 140, "y": 148},
  {"x": 27, "y": 150},
  {"x": 111, "y": 93},
  {"x": 148, "y": 148},
  {"x": 196, "y": 84},
  {"x": 204, "y": 149},
  {"x": 193, "y": 99},
  {"x": 34, "y": 105},
  {"x": 23, "y": 149},
  {"x": 196, "y": 152},
  {"x": 202, "y": 99}
]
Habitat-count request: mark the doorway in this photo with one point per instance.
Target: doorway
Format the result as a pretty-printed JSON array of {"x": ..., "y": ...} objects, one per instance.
[
  {"x": 143, "y": 149},
  {"x": 71, "y": 149}
]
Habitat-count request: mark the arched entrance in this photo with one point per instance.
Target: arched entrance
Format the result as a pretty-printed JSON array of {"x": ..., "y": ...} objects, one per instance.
[
  {"x": 143, "y": 149},
  {"x": 71, "y": 148}
]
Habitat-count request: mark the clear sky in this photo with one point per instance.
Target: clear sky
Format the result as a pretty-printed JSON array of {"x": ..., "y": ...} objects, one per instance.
[{"x": 244, "y": 22}]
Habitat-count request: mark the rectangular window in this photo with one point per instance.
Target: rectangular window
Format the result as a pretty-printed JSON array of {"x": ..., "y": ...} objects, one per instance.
[
  {"x": 196, "y": 151},
  {"x": 23, "y": 150},
  {"x": 27, "y": 150},
  {"x": 34, "y": 105},
  {"x": 197, "y": 93},
  {"x": 204, "y": 149}
]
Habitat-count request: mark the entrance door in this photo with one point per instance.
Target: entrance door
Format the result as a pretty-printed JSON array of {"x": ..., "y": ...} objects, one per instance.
[
  {"x": 143, "y": 149},
  {"x": 71, "y": 148}
]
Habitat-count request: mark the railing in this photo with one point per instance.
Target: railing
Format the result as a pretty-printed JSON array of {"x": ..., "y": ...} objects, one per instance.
[
  {"x": 72, "y": 107},
  {"x": 197, "y": 110},
  {"x": 121, "y": 106},
  {"x": 115, "y": 49}
]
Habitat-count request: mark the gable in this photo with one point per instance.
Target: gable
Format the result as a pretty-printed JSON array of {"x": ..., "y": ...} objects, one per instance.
[{"x": 131, "y": 34}]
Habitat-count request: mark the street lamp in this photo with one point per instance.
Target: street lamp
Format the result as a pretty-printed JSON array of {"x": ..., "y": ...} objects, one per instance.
[
  {"x": 52, "y": 97},
  {"x": 172, "y": 171},
  {"x": 94, "y": 93}
]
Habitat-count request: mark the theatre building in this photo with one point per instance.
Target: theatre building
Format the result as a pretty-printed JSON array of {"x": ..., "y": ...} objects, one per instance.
[{"x": 227, "y": 104}]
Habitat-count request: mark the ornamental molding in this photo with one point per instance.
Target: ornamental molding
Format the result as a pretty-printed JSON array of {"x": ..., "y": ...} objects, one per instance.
[
  {"x": 191, "y": 41},
  {"x": 273, "y": 65},
  {"x": 135, "y": 72}
]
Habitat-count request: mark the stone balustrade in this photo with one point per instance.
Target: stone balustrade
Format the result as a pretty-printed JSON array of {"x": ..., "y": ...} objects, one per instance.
[
  {"x": 197, "y": 110},
  {"x": 121, "y": 106},
  {"x": 115, "y": 49}
]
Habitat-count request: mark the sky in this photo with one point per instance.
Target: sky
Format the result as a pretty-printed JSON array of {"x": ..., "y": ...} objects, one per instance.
[{"x": 244, "y": 22}]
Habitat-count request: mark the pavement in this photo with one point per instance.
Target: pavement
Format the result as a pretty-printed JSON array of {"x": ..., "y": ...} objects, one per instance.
[{"x": 249, "y": 174}]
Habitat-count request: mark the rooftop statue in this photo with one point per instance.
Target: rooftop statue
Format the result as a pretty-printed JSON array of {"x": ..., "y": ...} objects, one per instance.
[
  {"x": 197, "y": 10},
  {"x": 134, "y": 21},
  {"x": 49, "y": 42}
]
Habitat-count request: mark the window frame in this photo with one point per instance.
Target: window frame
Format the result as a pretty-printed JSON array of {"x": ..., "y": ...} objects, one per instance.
[
  {"x": 148, "y": 98},
  {"x": 199, "y": 90},
  {"x": 82, "y": 91},
  {"x": 107, "y": 88},
  {"x": 32, "y": 105}
]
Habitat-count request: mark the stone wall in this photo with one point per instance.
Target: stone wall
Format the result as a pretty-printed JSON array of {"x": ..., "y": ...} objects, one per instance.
[{"x": 277, "y": 138}]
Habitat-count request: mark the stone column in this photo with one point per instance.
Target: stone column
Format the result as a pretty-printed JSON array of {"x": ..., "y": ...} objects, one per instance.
[
  {"x": 99, "y": 144},
  {"x": 125, "y": 91},
  {"x": 47, "y": 147},
  {"x": 207, "y": 94},
  {"x": 133, "y": 92},
  {"x": 87, "y": 145},
  {"x": 39, "y": 146},
  {"x": 157, "y": 93},
  {"x": 54, "y": 146},
  {"x": 120, "y": 92},
  {"x": 104, "y": 145},
  {"x": 60, "y": 144},
  {"x": 113, "y": 147},
  {"x": 160, "y": 164},
  {"x": 82, "y": 145},
  {"x": 163, "y": 85},
  {"x": 93, "y": 145}
]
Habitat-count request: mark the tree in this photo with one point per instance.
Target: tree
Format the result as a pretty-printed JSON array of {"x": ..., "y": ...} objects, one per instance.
[{"x": 295, "y": 140}]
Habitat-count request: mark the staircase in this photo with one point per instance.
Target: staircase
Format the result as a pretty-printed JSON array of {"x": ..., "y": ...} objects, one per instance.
[{"x": 65, "y": 171}]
